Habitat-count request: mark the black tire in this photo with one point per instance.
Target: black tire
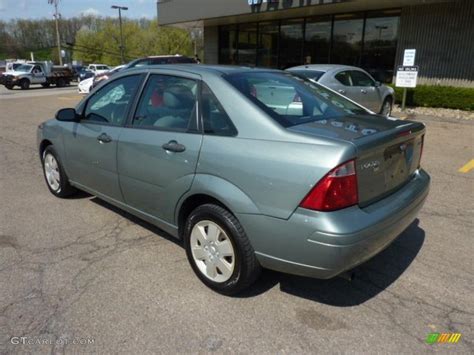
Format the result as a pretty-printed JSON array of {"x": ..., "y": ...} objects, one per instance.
[
  {"x": 24, "y": 84},
  {"x": 386, "y": 108},
  {"x": 246, "y": 269},
  {"x": 60, "y": 83},
  {"x": 65, "y": 189},
  {"x": 45, "y": 85},
  {"x": 9, "y": 87}
]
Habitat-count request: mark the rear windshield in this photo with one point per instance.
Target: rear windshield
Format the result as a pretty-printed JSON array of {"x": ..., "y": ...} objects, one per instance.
[
  {"x": 310, "y": 74},
  {"x": 292, "y": 100}
]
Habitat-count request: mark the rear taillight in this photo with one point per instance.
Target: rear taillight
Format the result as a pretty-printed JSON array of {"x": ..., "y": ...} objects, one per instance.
[{"x": 336, "y": 190}]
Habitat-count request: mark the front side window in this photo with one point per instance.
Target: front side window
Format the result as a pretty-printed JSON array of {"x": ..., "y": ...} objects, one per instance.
[
  {"x": 109, "y": 104},
  {"x": 168, "y": 102},
  {"x": 361, "y": 79},
  {"x": 215, "y": 119},
  {"x": 291, "y": 100}
]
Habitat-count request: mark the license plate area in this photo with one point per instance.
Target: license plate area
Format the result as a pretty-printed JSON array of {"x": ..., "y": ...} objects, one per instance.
[{"x": 400, "y": 162}]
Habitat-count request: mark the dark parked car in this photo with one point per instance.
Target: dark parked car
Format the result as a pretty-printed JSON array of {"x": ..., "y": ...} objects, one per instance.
[
  {"x": 250, "y": 167},
  {"x": 152, "y": 60},
  {"x": 84, "y": 73}
]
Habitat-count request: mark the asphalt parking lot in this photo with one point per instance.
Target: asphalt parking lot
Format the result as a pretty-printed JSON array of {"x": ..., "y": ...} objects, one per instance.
[{"x": 78, "y": 275}]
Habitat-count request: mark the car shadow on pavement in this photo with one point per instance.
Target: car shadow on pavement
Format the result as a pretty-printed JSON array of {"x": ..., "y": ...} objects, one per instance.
[
  {"x": 148, "y": 226},
  {"x": 371, "y": 278}
]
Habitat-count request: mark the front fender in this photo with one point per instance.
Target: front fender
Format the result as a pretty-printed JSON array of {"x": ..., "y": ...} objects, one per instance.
[
  {"x": 52, "y": 132},
  {"x": 222, "y": 190}
]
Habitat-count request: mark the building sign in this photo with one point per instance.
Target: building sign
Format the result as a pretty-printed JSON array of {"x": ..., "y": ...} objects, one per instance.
[
  {"x": 258, "y": 2},
  {"x": 301, "y": 2},
  {"x": 409, "y": 57},
  {"x": 406, "y": 76}
]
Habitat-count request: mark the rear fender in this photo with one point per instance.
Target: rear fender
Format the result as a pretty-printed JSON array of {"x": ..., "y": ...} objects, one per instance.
[{"x": 222, "y": 190}]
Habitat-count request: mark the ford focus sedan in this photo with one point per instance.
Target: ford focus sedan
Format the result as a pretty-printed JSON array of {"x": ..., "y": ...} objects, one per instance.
[{"x": 250, "y": 168}]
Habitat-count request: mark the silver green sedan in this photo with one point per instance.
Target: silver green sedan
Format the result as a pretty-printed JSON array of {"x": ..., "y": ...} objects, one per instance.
[{"x": 250, "y": 168}]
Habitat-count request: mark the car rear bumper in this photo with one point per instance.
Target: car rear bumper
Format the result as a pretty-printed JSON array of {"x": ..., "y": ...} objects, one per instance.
[{"x": 325, "y": 244}]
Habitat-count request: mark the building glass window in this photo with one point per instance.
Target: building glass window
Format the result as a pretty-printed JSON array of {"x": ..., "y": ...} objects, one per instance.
[
  {"x": 291, "y": 43},
  {"x": 228, "y": 45},
  {"x": 317, "y": 41},
  {"x": 380, "y": 47},
  {"x": 368, "y": 40},
  {"x": 268, "y": 44},
  {"x": 247, "y": 44},
  {"x": 347, "y": 40}
]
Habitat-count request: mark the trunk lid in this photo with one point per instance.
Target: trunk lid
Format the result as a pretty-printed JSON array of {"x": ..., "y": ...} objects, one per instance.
[{"x": 388, "y": 150}]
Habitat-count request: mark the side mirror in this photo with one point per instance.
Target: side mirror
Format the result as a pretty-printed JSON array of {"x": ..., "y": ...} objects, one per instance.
[
  {"x": 67, "y": 115},
  {"x": 377, "y": 84}
]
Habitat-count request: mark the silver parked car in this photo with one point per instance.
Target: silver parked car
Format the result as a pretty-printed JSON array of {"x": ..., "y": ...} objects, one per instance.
[
  {"x": 251, "y": 168},
  {"x": 353, "y": 82}
]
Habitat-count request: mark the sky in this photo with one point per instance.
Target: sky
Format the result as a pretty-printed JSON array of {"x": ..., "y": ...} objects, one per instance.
[{"x": 31, "y": 9}]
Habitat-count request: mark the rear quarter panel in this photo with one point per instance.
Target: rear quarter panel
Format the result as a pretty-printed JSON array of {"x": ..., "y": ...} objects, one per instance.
[{"x": 274, "y": 175}]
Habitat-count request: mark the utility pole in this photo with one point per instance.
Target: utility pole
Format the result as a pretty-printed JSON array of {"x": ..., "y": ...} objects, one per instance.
[
  {"x": 122, "y": 48},
  {"x": 58, "y": 37}
]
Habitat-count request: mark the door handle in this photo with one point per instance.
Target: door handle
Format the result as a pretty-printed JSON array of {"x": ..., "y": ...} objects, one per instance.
[
  {"x": 340, "y": 91},
  {"x": 363, "y": 91},
  {"x": 173, "y": 146},
  {"x": 104, "y": 138}
]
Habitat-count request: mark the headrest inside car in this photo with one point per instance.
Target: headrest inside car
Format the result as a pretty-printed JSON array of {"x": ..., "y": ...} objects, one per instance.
[{"x": 178, "y": 96}]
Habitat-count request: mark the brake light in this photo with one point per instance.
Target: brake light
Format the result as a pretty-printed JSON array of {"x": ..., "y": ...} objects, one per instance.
[{"x": 336, "y": 190}]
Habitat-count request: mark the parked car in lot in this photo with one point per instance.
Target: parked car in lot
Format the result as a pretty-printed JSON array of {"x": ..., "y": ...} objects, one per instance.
[
  {"x": 153, "y": 60},
  {"x": 43, "y": 73},
  {"x": 85, "y": 86},
  {"x": 226, "y": 159},
  {"x": 352, "y": 82},
  {"x": 161, "y": 59},
  {"x": 104, "y": 76},
  {"x": 140, "y": 62},
  {"x": 98, "y": 68}
]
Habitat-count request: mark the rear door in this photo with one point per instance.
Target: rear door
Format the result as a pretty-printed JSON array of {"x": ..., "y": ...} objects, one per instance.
[
  {"x": 158, "y": 150},
  {"x": 91, "y": 144}
]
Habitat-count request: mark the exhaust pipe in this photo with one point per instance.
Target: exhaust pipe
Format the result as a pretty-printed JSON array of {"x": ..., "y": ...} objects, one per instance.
[{"x": 348, "y": 275}]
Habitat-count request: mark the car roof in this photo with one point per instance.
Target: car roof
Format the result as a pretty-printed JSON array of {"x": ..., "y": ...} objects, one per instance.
[
  {"x": 163, "y": 56},
  {"x": 324, "y": 67},
  {"x": 203, "y": 69}
]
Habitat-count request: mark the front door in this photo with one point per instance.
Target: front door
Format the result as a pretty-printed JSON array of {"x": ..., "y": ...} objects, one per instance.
[
  {"x": 159, "y": 149},
  {"x": 37, "y": 75},
  {"x": 364, "y": 90},
  {"x": 91, "y": 144}
]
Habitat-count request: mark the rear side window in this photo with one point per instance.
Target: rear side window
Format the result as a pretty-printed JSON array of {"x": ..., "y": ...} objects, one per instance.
[
  {"x": 344, "y": 78},
  {"x": 215, "y": 119},
  {"x": 168, "y": 103}
]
